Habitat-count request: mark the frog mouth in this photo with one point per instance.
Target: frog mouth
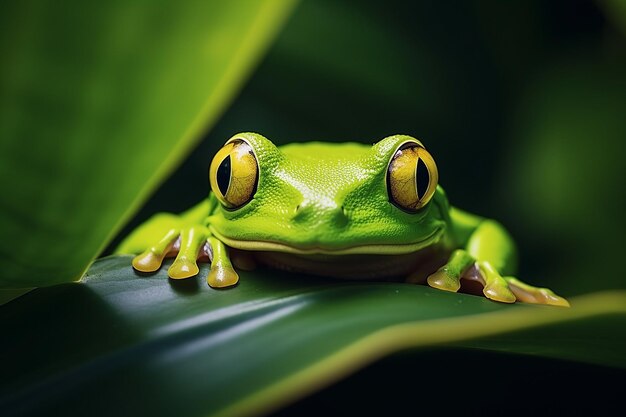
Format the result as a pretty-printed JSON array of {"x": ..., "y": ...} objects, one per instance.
[{"x": 369, "y": 249}]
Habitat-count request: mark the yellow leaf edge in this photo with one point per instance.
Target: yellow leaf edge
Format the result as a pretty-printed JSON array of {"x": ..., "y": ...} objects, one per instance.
[{"x": 413, "y": 335}]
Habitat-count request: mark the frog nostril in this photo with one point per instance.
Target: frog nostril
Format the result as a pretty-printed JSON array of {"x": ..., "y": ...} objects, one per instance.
[
  {"x": 302, "y": 212},
  {"x": 341, "y": 218}
]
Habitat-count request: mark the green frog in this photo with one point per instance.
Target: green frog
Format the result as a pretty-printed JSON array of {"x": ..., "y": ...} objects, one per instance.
[{"x": 345, "y": 210}]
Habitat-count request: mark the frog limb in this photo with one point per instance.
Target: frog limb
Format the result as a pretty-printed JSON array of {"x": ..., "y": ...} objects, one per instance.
[
  {"x": 182, "y": 234},
  {"x": 463, "y": 265},
  {"x": 151, "y": 259},
  {"x": 491, "y": 243},
  {"x": 222, "y": 273},
  {"x": 192, "y": 240},
  {"x": 187, "y": 236},
  {"x": 159, "y": 225},
  {"x": 529, "y": 294},
  {"x": 495, "y": 287},
  {"x": 448, "y": 277},
  {"x": 495, "y": 251},
  {"x": 495, "y": 254}
]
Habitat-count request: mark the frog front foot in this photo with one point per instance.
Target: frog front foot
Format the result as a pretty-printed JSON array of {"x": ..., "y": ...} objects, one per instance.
[
  {"x": 461, "y": 266},
  {"x": 189, "y": 243}
]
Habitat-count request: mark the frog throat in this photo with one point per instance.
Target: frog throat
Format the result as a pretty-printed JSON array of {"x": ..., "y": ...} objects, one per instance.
[{"x": 377, "y": 249}]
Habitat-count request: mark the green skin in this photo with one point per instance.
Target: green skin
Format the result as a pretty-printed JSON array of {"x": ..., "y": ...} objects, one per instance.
[{"x": 324, "y": 209}]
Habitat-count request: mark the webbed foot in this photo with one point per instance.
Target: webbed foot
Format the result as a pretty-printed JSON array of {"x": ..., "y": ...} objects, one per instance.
[
  {"x": 190, "y": 243},
  {"x": 462, "y": 266}
]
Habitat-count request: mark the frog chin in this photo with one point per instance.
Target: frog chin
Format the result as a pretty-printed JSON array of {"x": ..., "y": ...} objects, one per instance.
[{"x": 366, "y": 249}]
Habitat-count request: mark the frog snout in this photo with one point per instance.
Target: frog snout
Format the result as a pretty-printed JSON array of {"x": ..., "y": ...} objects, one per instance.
[{"x": 317, "y": 214}]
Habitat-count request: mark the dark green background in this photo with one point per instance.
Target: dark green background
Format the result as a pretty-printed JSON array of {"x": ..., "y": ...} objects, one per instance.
[{"x": 522, "y": 104}]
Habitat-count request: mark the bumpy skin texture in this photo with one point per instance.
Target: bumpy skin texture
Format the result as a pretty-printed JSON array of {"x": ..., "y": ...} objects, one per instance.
[{"x": 319, "y": 207}]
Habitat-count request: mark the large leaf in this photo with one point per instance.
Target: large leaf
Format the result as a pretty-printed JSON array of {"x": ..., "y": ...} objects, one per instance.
[
  {"x": 119, "y": 343},
  {"x": 99, "y": 102}
]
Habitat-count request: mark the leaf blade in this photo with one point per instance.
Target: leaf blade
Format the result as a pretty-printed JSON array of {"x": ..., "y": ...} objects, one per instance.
[
  {"x": 99, "y": 104},
  {"x": 251, "y": 349}
]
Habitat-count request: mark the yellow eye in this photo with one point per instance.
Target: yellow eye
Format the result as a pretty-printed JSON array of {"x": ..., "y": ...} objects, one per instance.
[
  {"x": 234, "y": 174},
  {"x": 411, "y": 177}
]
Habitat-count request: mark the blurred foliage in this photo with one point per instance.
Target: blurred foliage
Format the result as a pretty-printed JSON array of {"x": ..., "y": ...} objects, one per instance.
[
  {"x": 99, "y": 102},
  {"x": 570, "y": 128},
  {"x": 519, "y": 101}
]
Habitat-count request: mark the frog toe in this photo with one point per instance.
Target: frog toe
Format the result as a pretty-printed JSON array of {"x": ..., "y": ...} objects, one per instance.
[
  {"x": 495, "y": 287},
  {"x": 192, "y": 240},
  {"x": 183, "y": 268},
  {"x": 499, "y": 292},
  {"x": 448, "y": 277},
  {"x": 222, "y": 276},
  {"x": 528, "y": 294},
  {"x": 222, "y": 273},
  {"x": 148, "y": 261},
  {"x": 444, "y": 280},
  {"x": 151, "y": 259}
]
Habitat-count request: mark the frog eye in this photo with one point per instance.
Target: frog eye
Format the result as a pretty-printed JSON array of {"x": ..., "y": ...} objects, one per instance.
[
  {"x": 234, "y": 174},
  {"x": 411, "y": 177}
]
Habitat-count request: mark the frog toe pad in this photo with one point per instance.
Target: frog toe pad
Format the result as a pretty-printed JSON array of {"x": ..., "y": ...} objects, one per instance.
[
  {"x": 443, "y": 280},
  {"x": 147, "y": 261},
  {"x": 222, "y": 276},
  {"x": 183, "y": 268}
]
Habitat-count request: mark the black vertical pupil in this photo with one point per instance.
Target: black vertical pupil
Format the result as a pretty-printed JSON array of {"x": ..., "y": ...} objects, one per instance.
[
  {"x": 422, "y": 177},
  {"x": 223, "y": 175}
]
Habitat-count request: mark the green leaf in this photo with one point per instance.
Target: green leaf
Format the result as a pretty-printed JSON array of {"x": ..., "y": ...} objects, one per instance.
[
  {"x": 99, "y": 103},
  {"x": 127, "y": 344}
]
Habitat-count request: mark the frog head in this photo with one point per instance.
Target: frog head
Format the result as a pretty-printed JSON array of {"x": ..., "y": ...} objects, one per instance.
[{"x": 324, "y": 198}]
